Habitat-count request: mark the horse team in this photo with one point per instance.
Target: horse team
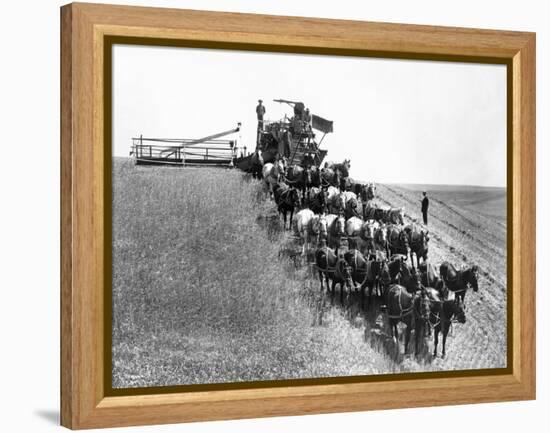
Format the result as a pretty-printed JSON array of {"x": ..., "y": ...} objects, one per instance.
[{"x": 367, "y": 249}]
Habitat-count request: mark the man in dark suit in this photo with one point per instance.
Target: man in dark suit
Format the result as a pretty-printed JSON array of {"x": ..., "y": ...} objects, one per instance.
[
  {"x": 260, "y": 111},
  {"x": 425, "y": 205}
]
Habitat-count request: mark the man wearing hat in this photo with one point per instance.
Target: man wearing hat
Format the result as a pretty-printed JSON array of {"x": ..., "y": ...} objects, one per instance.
[
  {"x": 260, "y": 111},
  {"x": 425, "y": 205}
]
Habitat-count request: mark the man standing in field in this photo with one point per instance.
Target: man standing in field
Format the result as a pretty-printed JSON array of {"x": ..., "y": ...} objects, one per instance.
[{"x": 425, "y": 205}]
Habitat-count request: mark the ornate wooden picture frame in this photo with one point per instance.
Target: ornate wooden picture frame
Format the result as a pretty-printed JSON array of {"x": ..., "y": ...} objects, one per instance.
[{"x": 88, "y": 32}]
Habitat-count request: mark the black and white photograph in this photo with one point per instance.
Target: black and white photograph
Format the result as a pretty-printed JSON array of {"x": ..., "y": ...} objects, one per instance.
[{"x": 281, "y": 216}]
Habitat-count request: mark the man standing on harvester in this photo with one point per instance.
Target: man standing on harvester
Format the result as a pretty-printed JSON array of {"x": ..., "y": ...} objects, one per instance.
[{"x": 260, "y": 111}]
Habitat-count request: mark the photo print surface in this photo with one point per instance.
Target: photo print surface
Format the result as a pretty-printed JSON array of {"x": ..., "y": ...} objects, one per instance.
[{"x": 290, "y": 216}]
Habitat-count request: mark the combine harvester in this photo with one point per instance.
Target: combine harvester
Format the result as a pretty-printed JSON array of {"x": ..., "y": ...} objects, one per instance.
[
  {"x": 210, "y": 150},
  {"x": 294, "y": 138}
]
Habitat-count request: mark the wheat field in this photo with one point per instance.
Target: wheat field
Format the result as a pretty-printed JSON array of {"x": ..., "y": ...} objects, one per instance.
[{"x": 201, "y": 294}]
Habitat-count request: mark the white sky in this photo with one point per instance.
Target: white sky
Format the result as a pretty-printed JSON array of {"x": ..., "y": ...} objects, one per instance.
[{"x": 399, "y": 121}]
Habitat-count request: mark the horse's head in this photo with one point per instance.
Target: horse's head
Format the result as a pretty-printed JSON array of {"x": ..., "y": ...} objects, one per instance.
[
  {"x": 345, "y": 270},
  {"x": 415, "y": 279},
  {"x": 473, "y": 276},
  {"x": 368, "y": 230},
  {"x": 307, "y": 176},
  {"x": 278, "y": 168},
  {"x": 385, "y": 278},
  {"x": 404, "y": 240},
  {"x": 257, "y": 158},
  {"x": 346, "y": 165},
  {"x": 322, "y": 196},
  {"x": 424, "y": 306},
  {"x": 459, "y": 311},
  {"x": 315, "y": 175},
  {"x": 292, "y": 172},
  {"x": 295, "y": 199},
  {"x": 425, "y": 239},
  {"x": 381, "y": 235},
  {"x": 322, "y": 226},
  {"x": 422, "y": 239},
  {"x": 336, "y": 178},
  {"x": 370, "y": 191},
  {"x": 340, "y": 225},
  {"x": 341, "y": 201},
  {"x": 401, "y": 216},
  {"x": 349, "y": 184}
]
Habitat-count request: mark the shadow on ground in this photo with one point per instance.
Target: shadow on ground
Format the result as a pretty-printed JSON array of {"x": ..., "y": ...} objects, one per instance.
[{"x": 49, "y": 415}]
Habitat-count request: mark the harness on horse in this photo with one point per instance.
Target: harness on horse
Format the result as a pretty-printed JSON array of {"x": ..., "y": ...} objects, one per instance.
[
  {"x": 439, "y": 321},
  {"x": 290, "y": 182},
  {"x": 357, "y": 287},
  {"x": 328, "y": 269},
  {"x": 404, "y": 312}
]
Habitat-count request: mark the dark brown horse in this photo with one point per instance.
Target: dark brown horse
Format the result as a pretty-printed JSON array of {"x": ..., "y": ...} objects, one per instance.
[
  {"x": 352, "y": 209},
  {"x": 403, "y": 274},
  {"x": 317, "y": 200},
  {"x": 442, "y": 314},
  {"x": 363, "y": 273},
  {"x": 287, "y": 200},
  {"x": 341, "y": 173},
  {"x": 350, "y": 185},
  {"x": 459, "y": 281},
  {"x": 422, "y": 309},
  {"x": 342, "y": 168},
  {"x": 394, "y": 215},
  {"x": 355, "y": 187},
  {"x": 398, "y": 241},
  {"x": 299, "y": 178},
  {"x": 313, "y": 179},
  {"x": 365, "y": 191},
  {"x": 403, "y": 306},
  {"x": 329, "y": 177},
  {"x": 383, "y": 215},
  {"x": 395, "y": 264},
  {"x": 418, "y": 242},
  {"x": 325, "y": 259},
  {"x": 342, "y": 276},
  {"x": 336, "y": 230}
]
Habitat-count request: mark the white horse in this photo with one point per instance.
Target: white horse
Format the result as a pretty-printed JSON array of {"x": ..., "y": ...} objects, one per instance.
[
  {"x": 367, "y": 236},
  {"x": 271, "y": 173},
  {"x": 354, "y": 230},
  {"x": 336, "y": 228},
  {"x": 318, "y": 227},
  {"x": 340, "y": 200},
  {"x": 369, "y": 228},
  {"x": 348, "y": 195},
  {"x": 302, "y": 223},
  {"x": 354, "y": 226},
  {"x": 332, "y": 194}
]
